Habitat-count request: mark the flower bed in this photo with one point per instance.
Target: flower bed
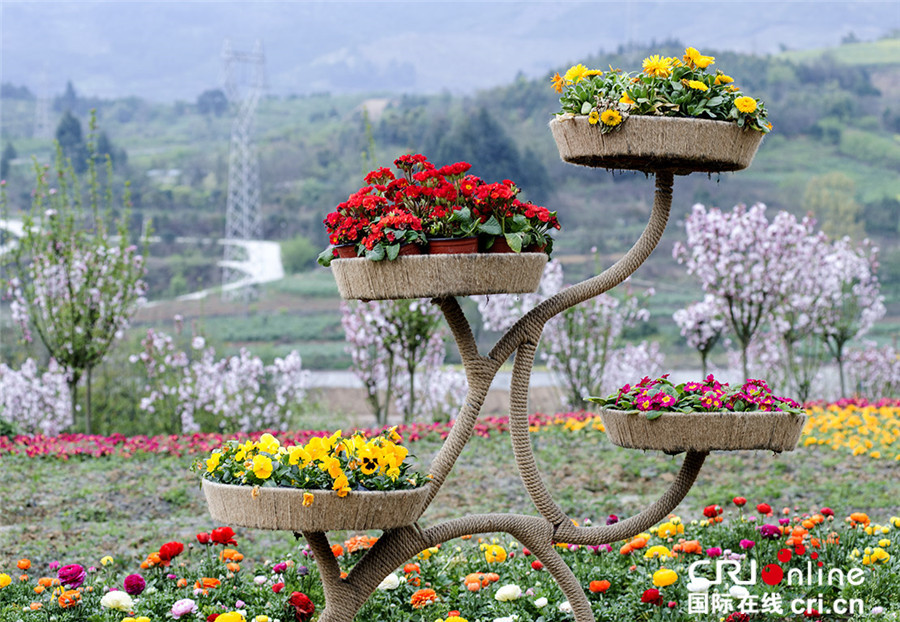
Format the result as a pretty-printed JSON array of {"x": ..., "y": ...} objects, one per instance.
[
  {"x": 842, "y": 426},
  {"x": 493, "y": 578}
]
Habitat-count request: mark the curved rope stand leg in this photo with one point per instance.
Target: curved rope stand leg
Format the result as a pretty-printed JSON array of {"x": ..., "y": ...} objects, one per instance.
[{"x": 344, "y": 597}]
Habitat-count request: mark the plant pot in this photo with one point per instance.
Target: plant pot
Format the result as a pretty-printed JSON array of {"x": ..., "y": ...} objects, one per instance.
[
  {"x": 346, "y": 251},
  {"x": 283, "y": 509},
  {"x": 438, "y": 276},
  {"x": 676, "y": 432},
  {"x": 650, "y": 144},
  {"x": 500, "y": 245},
  {"x": 452, "y": 246},
  {"x": 409, "y": 249}
]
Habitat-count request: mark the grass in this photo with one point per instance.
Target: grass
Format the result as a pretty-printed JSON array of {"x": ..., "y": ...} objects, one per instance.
[
  {"x": 82, "y": 510},
  {"x": 864, "y": 53}
]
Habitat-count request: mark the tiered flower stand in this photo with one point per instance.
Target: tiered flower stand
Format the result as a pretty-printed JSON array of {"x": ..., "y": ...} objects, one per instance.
[{"x": 637, "y": 146}]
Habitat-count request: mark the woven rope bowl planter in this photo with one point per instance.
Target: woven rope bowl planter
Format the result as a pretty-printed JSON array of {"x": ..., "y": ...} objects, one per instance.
[
  {"x": 677, "y": 432},
  {"x": 283, "y": 509},
  {"x": 650, "y": 144},
  {"x": 439, "y": 276}
]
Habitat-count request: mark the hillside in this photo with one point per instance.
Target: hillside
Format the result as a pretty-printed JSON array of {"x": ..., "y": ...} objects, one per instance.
[{"x": 834, "y": 111}]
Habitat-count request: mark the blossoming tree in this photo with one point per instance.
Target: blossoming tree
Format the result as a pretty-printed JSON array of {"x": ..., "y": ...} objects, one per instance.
[
  {"x": 77, "y": 277},
  {"x": 743, "y": 259},
  {"x": 702, "y": 324},
  {"x": 397, "y": 348},
  {"x": 583, "y": 346}
]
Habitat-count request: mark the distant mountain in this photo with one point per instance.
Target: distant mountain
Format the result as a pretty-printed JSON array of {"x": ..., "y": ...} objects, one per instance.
[{"x": 165, "y": 51}]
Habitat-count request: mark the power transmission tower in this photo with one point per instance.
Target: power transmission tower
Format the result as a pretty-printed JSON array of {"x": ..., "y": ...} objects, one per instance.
[
  {"x": 244, "y": 81},
  {"x": 42, "y": 127}
]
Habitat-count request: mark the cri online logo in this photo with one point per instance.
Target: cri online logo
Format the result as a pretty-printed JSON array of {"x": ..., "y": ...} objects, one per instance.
[{"x": 773, "y": 574}]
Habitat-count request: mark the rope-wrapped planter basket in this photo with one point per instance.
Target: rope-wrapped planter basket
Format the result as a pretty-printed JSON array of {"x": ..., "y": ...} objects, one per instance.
[
  {"x": 651, "y": 144},
  {"x": 674, "y": 432},
  {"x": 439, "y": 276},
  {"x": 283, "y": 509}
]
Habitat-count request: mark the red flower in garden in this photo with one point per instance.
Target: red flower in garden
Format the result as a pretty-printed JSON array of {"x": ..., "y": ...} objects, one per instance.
[
  {"x": 764, "y": 508},
  {"x": 212, "y": 617},
  {"x": 302, "y": 605},
  {"x": 278, "y": 587},
  {"x": 223, "y": 536},
  {"x": 204, "y": 538},
  {"x": 652, "y": 597},
  {"x": 598, "y": 587},
  {"x": 737, "y": 616},
  {"x": 711, "y": 511},
  {"x": 827, "y": 512},
  {"x": 169, "y": 551},
  {"x": 739, "y": 501},
  {"x": 537, "y": 565}
]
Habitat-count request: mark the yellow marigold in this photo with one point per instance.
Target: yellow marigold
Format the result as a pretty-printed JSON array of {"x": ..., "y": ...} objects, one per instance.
[
  {"x": 594, "y": 117},
  {"x": 693, "y": 58},
  {"x": 611, "y": 118},
  {"x": 697, "y": 85},
  {"x": 745, "y": 104},
  {"x": 262, "y": 466},
  {"x": 657, "y": 66},
  {"x": 576, "y": 73},
  {"x": 723, "y": 79}
]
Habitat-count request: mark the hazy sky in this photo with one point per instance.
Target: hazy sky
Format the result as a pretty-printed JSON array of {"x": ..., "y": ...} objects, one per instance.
[{"x": 167, "y": 50}]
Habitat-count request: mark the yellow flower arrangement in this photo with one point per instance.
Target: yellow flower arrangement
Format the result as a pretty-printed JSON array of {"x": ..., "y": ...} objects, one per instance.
[
  {"x": 337, "y": 463},
  {"x": 665, "y": 86}
]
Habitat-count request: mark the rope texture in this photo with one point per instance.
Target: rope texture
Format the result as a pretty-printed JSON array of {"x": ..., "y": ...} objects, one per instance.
[{"x": 344, "y": 597}]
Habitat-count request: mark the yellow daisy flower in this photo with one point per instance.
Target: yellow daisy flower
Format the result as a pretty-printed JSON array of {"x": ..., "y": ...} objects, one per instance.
[
  {"x": 657, "y": 66},
  {"x": 611, "y": 118},
  {"x": 748, "y": 105}
]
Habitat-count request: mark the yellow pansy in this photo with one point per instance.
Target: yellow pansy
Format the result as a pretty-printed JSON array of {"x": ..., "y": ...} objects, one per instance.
[
  {"x": 212, "y": 463},
  {"x": 262, "y": 466},
  {"x": 268, "y": 444}
]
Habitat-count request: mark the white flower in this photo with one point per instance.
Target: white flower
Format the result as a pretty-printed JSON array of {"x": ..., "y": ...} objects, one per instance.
[
  {"x": 739, "y": 592},
  {"x": 390, "y": 582},
  {"x": 699, "y": 584},
  {"x": 508, "y": 592},
  {"x": 259, "y": 579},
  {"x": 117, "y": 600},
  {"x": 540, "y": 603},
  {"x": 511, "y": 618},
  {"x": 565, "y": 607}
]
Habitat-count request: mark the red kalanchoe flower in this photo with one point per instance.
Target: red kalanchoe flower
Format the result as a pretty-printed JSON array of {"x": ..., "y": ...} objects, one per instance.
[
  {"x": 652, "y": 597},
  {"x": 223, "y": 536},
  {"x": 302, "y": 605},
  {"x": 739, "y": 501},
  {"x": 764, "y": 508}
]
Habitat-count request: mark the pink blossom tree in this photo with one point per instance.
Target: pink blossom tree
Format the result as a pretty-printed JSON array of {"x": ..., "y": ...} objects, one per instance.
[
  {"x": 77, "y": 277},
  {"x": 702, "y": 324},
  {"x": 192, "y": 389},
  {"x": 851, "y": 301},
  {"x": 398, "y": 352},
  {"x": 874, "y": 372},
  {"x": 583, "y": 346},
  {"x": 35, "y": 402},
  {"x": 744, "y": 260}
]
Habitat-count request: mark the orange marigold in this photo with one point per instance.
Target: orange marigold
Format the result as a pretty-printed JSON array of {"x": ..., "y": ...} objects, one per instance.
[
  {"x": 337, "y": 550},
  {"x": 207, "y": 582},
  {"x": 423, "y": 598},
  {"x": 24, "y": 564},
  {"x": 360, "y": 543}
]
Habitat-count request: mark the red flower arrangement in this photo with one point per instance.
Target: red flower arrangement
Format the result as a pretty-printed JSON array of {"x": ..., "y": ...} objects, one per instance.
[{"x": 390, "y": 212}]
